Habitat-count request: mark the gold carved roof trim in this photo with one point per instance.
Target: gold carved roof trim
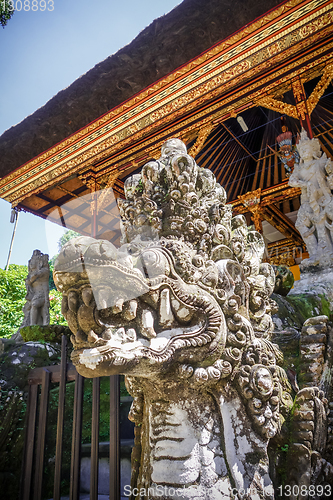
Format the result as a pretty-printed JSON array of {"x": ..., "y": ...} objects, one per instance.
[
  {"x": 99, "y": 137},
  {"x": 222, "y": 110},
  {"x": 320, "y": 88}
]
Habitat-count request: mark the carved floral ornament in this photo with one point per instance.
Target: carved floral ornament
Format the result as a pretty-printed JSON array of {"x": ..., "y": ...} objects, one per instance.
[
  {"x": 182, "y": 309},
  {"x": 304, "y": 106},
  {"x": 251, "y": 199}
]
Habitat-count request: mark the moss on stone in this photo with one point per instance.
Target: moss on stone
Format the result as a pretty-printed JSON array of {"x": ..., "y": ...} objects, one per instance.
[
  {"x": 326, "y": 307},
  {"x": 295, "y": 309},
  {"x": 47, "y": 333}
]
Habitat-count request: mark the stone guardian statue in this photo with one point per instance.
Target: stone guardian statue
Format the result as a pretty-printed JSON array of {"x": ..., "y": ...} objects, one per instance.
[
  {"x": 36, "y": 308},
  {"x": 313, "y": 174}
]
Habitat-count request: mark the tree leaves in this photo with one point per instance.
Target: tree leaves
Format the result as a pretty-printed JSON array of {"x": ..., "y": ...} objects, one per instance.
[
  {"x": 12, "y": 298},
  {"x": 6, "y": 12}
]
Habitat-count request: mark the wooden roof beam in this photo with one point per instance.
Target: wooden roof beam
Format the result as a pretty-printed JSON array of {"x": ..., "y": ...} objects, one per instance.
[
  {"x": 282, "y": 223},
  {"x": 269, "y": 197},
  {"x": 239, "y": 142}
]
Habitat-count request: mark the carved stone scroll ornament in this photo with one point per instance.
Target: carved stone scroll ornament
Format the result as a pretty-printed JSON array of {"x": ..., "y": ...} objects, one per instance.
[
  {"x": 183, "y": 309},
  {"x": 313, "y": 174}
]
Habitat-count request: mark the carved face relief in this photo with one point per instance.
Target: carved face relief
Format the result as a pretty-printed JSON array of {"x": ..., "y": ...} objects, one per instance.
[
  {"x": 262, "y": 381},
  {"x": 131, "y": 311},
  {"x": 172, "y": 147},
  {"x": 308, "y": 149},
  {"x": 186, "y": 270},
  {"x": 260, "y": 389}
]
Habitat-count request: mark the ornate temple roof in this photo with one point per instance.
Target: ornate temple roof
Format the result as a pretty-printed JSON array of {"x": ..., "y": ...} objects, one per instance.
[
  {"x": 223, "y": 87},
  {"x": 169, "y": 42}
]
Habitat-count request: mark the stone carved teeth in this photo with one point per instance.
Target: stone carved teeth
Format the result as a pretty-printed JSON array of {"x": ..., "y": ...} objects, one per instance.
[
  {"x": 118, "y": 307},
  {"x": 123, "y": 335},
  {"x": 103, "y": 296},
  {"x": 120, "y": 335},
  {"x": 107, "y": 334},
  {"x": 182, "y": 312},
  {"x": 64, "y": 306},
  {"x": 93, "y": 338},
  {"x": 131, "y": 334},
  {"x": 80, "y": 337},
  {"x": 73, "y": 302},
  {"x": 130, "y": 309},
  {"x": 166, "y": 317},
  {"x": 147, "y": 321},
  {"x": 87, "y": 297}
]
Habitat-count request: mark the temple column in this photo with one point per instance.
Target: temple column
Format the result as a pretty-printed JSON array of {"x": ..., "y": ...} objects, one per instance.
[{"x": 90, "y": 181}]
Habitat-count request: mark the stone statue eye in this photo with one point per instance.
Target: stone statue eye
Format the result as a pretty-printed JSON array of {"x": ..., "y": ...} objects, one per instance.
[
  {"x": 150, "y": 258},
  {"x": 153, "y": 263}
]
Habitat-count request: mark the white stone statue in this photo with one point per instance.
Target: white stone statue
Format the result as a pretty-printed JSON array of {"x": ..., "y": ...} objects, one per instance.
[
  {"x": 183, "y": 309},
  {"x": 36, "y": 309},
  {"x": 314, "y": 175}
]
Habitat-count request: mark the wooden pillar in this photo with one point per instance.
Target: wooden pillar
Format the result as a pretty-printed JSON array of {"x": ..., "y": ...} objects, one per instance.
[
  {"x": 89, "y": 179},
  {"x": 93, "y": 186},
  {"x": 301, "y": 106}
]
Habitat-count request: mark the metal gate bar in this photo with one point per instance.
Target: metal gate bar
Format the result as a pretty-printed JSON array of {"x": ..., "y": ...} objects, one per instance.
[
  {"x": 60, "y": 423},
  {"x": 33, "y": 456},
  {"x": 94, "y": 440},
  {"x": 74, "y": 492},
  {"x": 114, "y": 452},
  {"x": 41, "y": 435}
]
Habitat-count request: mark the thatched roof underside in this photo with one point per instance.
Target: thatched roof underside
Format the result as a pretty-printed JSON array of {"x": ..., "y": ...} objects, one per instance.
[{"x": 168, "y": 43}]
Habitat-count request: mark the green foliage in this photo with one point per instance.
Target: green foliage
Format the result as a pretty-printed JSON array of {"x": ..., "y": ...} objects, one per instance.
[
  {"x": 12, "y": 298},
  {"x": 6, "y": 12},
  {"x": 56, "y": 318},
  {"x": 68, "y": 235},
  {"x": 325, "y": 307},
  {"x": 50, "y": 333},
  {"x": 51, "y": 281},
  {"x": 139, "y": 187},
  {"x": 104, "y": 413},
  {"x": 12, "y": 421}
]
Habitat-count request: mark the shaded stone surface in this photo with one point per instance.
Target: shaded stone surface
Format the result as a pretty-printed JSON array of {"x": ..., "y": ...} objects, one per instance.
[
  {"x": 317, "y": 280},
  {"x": 167, "y": 43},
  {"x": 284, "y": 280},
  {"x": 16, "y": 362}
]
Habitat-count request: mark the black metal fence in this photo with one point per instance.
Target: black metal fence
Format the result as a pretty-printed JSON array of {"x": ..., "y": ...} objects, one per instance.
[{"x": 41, "y": 382}]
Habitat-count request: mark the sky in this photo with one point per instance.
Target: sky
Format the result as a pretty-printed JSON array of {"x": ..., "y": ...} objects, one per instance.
[{"x": 43, "y": 52}]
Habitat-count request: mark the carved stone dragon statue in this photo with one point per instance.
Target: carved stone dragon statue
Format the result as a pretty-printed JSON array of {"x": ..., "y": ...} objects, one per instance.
[{"x": 183, "y": 309}]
